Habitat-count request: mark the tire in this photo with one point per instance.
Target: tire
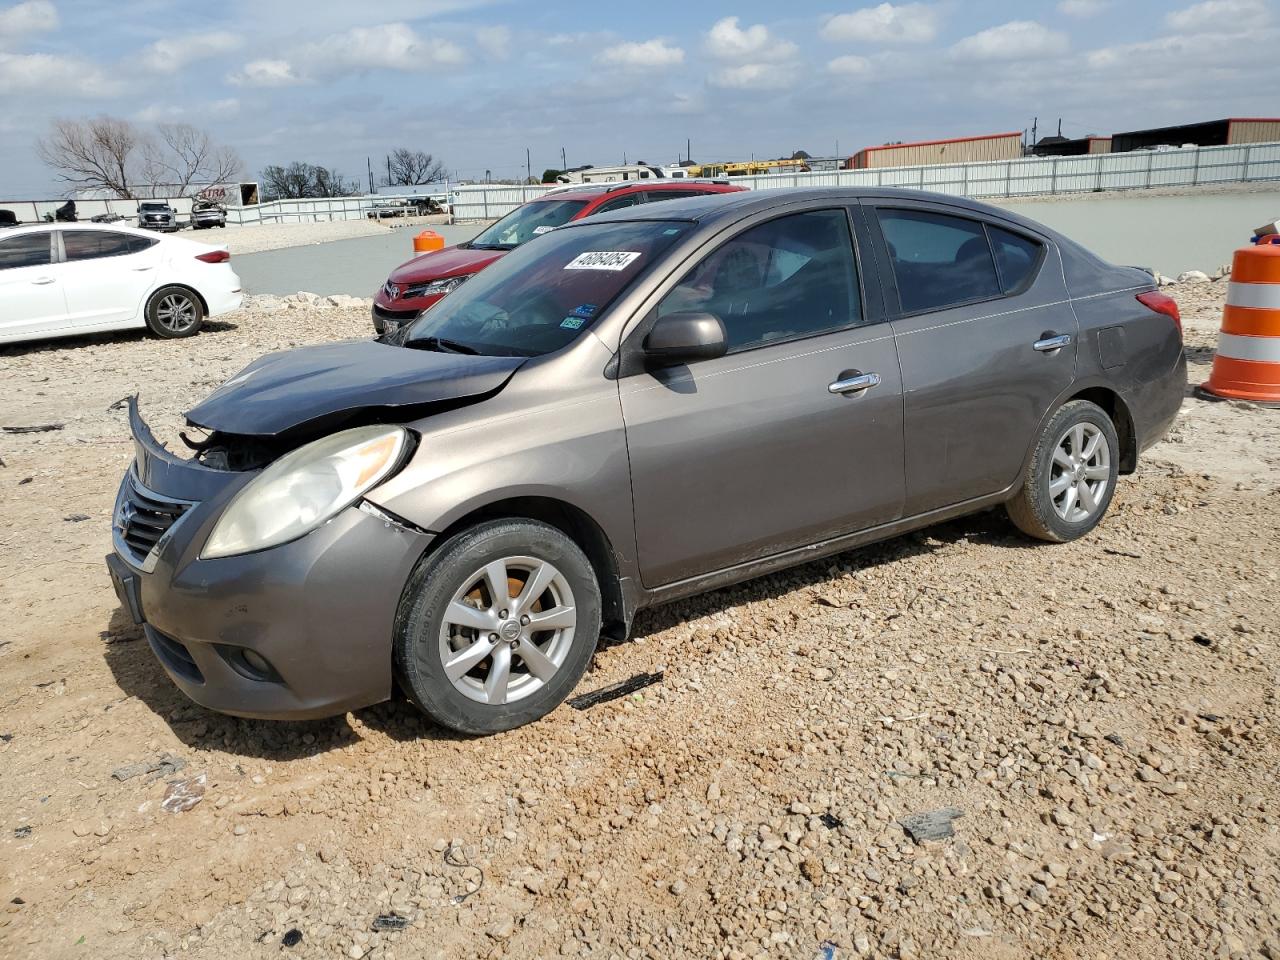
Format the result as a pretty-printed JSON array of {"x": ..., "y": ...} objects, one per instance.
[
  {"x": 448, "y": 613},
  {"x": 1067, "y": 490},
  {"x": 174, "y": 313}
]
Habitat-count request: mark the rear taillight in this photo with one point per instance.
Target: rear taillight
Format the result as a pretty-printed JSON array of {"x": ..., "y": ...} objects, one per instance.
[
  {"x": 1162, "y": 303},
  {"x": 214, "y": 256}
]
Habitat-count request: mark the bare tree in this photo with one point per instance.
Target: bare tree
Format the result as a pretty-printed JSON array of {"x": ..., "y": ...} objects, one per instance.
[
  {"x": 113, "y": 155},
  {"x": 409, "y": 168},
  {"x": 102, "y": 153},
  {"x": 301, "y": 180},
  {"x": 182, "y": 158}
]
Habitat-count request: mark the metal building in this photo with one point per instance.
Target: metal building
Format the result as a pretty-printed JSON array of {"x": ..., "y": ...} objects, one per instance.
[
  {"x": 1062, "y": 147},
  {"x": 1213, "y": 133},
  {"x": 997, "y": 146}
]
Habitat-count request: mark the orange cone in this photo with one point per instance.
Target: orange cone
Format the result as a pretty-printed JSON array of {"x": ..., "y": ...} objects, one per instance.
[{"x": 1247, "y": 364}]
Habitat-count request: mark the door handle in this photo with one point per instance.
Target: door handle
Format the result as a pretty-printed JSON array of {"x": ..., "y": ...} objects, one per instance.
[
  {"x": 142, "y": 269},
  {"x": 42, "y": 280},
  {"x": 855, "y": 384},
  {"x": 1053, "y": 343}
]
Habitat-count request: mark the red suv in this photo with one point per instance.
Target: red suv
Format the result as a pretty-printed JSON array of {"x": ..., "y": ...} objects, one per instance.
[{"x": 416, "y": 285}]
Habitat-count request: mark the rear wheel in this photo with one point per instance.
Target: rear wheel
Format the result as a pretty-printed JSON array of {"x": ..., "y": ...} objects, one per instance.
[
  {"x": 1072, "y": 476},
  {"x": 497, "y": 627},
  {"x": 174, "y": 312}
]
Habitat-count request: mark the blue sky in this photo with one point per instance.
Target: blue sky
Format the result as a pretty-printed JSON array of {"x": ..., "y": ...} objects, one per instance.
[{"x": 477, "y": 81}]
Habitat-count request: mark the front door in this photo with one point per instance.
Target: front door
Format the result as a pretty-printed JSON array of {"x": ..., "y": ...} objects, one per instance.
[
  {"x": 31, "y": 298},
  {"x": 987, "y": 340},
  {"x": 778, "y": 444}
]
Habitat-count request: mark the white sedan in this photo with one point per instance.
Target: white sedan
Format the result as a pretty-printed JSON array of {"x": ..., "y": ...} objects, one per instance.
[{"x": 59, "y": 280}]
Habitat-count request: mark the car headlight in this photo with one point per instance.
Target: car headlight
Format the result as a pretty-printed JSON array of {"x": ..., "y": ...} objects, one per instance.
[
  {"x": 306, "y": 488},
  {"x": 436, "y": 288}
]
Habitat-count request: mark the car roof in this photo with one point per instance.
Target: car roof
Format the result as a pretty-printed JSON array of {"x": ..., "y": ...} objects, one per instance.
[
  {"x": 118, "y": 227},
  {"x": 713, "y": 207}
]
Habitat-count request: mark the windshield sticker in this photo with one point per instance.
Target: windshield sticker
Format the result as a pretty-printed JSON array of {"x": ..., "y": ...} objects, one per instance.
[
  {"x": 585, "y": 310},
  {"x": 539, "y": 231},
  {"x": 572, "y": 323},
  {"x": 602, "y": 260}
]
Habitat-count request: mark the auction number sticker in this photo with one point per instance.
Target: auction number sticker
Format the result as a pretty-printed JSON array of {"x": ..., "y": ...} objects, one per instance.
[
  {"x": 539, "y": 231},
  {"x": 602, "y": 260}
]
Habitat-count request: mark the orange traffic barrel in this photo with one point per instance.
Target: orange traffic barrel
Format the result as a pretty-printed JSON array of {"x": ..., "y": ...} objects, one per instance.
[
  {"x": 1247, "y": 364},
  {"x": 427, "y": 241}
]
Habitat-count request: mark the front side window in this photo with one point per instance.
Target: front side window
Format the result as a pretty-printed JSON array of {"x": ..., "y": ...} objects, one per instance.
[
  {"x": 544, "y": 295},
  {"x": 788, "y": 278},
  {"x": 93, "y": 244},
  {"x": 938, "y": 260},
  {"x": 618, "y": 203},
  {"x": 524, "y": 223},
  {"x": 28, "y": 250}
]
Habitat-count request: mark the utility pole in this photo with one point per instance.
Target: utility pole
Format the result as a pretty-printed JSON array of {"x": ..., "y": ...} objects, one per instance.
[
  {"x": 1035, "y": 124},
  {"x": 368, "y": 162},
  {"x": 564, "y": 164},
  {"x": 528, "y": 166},
  {"x": 688, "y": 149},
  {"x": 388, "y": 169}
]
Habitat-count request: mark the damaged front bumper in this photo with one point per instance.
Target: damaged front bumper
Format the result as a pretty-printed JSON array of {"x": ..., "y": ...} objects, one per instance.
[{"x": 297, "y": 631}]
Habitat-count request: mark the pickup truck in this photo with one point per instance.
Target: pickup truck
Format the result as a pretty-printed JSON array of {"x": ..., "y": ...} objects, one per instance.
[{"x": 157, "y": 215}]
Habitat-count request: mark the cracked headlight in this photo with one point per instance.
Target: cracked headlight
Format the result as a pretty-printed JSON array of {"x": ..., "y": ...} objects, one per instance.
[{"x": 306, "y": 488}]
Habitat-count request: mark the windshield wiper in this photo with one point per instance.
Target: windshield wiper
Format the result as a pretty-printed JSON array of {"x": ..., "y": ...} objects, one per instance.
[{"x": 443, "y": 345}]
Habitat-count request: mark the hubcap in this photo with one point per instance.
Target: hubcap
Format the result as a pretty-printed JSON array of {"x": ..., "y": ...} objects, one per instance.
[
  {"x": 176, "y": 312},
  {"x": 507, "y": 630},
  {"x": 1080, "y": 473}
]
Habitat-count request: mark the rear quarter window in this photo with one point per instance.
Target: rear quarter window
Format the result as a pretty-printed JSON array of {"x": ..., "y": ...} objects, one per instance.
[{"x": 1017, "y": 257}]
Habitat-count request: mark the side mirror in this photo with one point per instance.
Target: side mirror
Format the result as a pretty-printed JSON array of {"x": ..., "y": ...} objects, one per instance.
[{"x": 680, "y": 338}]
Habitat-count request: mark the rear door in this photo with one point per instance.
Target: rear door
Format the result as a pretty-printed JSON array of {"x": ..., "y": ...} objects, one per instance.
[
  {"x": 987, "y": 341},
  {"x": 31, "y": 298},
  {"x": 768, "y": 448},
  {"x": 107, "y": 275}
]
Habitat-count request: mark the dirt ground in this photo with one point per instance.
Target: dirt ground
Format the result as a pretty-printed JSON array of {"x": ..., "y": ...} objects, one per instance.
[{"x": 1101, "y": 715}]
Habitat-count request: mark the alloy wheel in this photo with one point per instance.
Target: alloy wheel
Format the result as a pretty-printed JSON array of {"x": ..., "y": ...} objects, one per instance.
[
  {"x": 507, "y": 630},
  {"x": 176, "y": 313},
  {"x": 1080, "y": 473}
]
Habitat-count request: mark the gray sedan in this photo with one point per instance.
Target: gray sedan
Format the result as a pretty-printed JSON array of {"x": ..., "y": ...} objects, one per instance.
[{"x": 630, "y": 409}]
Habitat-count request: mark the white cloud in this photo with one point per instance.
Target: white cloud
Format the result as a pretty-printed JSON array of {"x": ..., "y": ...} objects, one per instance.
[
  {"x": 170, "y": 54},
  {"x": 905, "y": 23},
  {"x": 727, "y": 41},
  {"x": 1221, "y": 16},
  {"x": 265, "y": 73},
  {"x": 228, "y": 107},
  {"x": 390, "y": 46},
  {"x": 34, "y": 16},
  {"x": 850, "y": 66},
  {"x": 751, "y": 76},
  {"x": 1082, "y": 8},
  {"x": 50, "y": 75},
  {"x": 649, "y": 55},
  {"x": 495, "y": 41},
  {"x": 1016, "y": 40}
]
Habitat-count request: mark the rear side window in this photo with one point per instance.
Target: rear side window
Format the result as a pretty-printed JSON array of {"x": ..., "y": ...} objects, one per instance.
[
  {"x": 93, "y": 244},
  {"x": 789, "y": 278},
  {"x": 653, "y": 196},
  {"x": 28, "y": 250},
  {"x": 1016, "y": 256},
  {"x": 938, "y": 261},
  {"x": 617, "y": 203}
]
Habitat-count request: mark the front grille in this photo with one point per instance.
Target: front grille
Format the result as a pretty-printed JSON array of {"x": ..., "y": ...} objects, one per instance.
[
  {"x": 398, "y": 315},
  {"x": 143, "y": 517}
]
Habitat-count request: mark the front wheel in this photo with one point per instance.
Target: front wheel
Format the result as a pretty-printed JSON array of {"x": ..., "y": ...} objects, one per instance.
[
  {"x": 1072, "y": 476},
  {"x": 497, "y": 627},
  {"x": 174, "y": 312}
]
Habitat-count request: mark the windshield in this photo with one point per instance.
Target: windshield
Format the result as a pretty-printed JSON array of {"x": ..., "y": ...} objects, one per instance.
[
  {"x": 524, "y": 223},
  {"x": 541, "y": 297}
]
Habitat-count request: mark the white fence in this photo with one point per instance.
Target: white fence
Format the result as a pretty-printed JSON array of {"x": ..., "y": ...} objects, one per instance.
[{"x": 1029, "y": 176}]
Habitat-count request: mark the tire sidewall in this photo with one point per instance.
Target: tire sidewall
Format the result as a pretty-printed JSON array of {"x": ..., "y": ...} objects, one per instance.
[
  {"x": 431, "y": 588},
  {"x": 153, "y": 308},
  {"x": 1079, "y": 411}
]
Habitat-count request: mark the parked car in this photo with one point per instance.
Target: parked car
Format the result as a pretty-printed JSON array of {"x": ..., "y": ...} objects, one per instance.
[
  {"x": 207, "y": 213},
  {"x": 637, "y": 407},
  {"x": 422, "y": 281},
  {"x": 66, "y": 280},
  {"x": 157, "y": 215}
]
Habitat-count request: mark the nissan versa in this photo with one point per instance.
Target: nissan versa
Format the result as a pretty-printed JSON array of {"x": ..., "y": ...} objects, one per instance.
[{"x": 631, "y": 408}]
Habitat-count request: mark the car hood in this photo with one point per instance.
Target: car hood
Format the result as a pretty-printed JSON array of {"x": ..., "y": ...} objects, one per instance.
[
  {"x": 314, "y": 387},
  {"x": 449, "y": 262}
]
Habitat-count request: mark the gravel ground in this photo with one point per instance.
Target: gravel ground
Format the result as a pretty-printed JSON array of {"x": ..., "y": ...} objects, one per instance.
[{"x": 1099, "y": 716}]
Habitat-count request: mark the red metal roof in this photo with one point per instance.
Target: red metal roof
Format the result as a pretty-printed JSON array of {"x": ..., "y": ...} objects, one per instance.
[{"x": 934, "y": 143}]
